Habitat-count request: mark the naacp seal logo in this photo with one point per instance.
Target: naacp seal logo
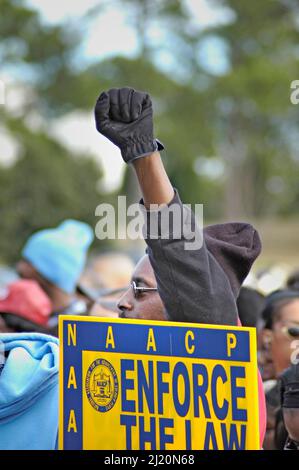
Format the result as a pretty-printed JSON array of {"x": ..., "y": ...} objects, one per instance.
[{"x": 101, "y": 385}]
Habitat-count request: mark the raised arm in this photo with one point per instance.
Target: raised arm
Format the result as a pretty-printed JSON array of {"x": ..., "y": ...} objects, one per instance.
[
  {"x": 193, "y": 285},
  {"x": 153, "y": 180}
]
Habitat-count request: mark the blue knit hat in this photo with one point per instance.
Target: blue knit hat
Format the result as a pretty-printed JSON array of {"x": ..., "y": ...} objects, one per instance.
[{"x": 59, "y": 254}]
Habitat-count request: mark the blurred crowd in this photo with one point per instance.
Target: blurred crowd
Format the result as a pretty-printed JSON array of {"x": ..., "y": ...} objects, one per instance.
[
  {"x": 55, "y": 276},
  {"x": 276, "y": 319}
]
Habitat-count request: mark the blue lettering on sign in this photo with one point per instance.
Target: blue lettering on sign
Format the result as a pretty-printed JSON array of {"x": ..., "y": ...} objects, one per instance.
[
  {"x": 210, "y": 437},
  {"x": 237, "y": 392},
  {"x": 165, "y": 423},
  {"x": 146, "y": 387},
  {"x": 127, "y": 384},
  {"x": 180, "y": 370},
  {"x": 233, "y": 443},
  {"x": 128, "y": 421},
  {"x": 147, "y": 436},
  {"x": 145, "y": 384},
  {"x": 219, "y": 373},
  {"x": 91, "y": 336},
  {"x": 163, "y": 386},
  {"x": 199, "y": 391}
]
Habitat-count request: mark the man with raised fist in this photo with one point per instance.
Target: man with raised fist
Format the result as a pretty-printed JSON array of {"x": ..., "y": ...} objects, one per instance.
[
  {"x": 175, "y": 281},
  {"x": 197, "y": 285}
]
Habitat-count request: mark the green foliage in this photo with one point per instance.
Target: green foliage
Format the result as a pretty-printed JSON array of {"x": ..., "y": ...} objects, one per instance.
[
  {"x": 242, "y": 116},
  {"x": 47, "y": 183},
  {"x": 26, "y": 40},
  {"x": 44, "y": 187}
]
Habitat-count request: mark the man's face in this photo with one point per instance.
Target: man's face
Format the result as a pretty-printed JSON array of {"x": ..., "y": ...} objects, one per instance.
[
  {"x": 26, "y": 271},
  {"x": 265, "y": 359},
  {"x": 281, "y": 341},
  {"x": 147, "y": 305}
]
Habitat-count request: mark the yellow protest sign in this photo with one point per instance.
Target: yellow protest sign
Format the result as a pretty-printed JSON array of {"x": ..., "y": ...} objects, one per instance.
[{"x": 133, "y": 385}]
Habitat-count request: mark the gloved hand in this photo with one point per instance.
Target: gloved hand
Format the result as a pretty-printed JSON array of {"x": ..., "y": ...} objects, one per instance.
[{"x": 125, "y": 117}]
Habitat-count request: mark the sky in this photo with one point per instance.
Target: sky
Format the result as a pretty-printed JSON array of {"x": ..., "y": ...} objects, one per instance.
[{"x": 77, "y": 130}]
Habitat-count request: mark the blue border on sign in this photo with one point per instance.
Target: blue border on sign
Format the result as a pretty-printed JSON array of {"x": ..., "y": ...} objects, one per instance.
[
  {"x": 170, "y": 341},
  {"x": 72, "y": 356}
]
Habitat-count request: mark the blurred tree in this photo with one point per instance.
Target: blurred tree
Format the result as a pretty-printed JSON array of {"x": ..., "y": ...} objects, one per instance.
[
  {"x": 230, "y": 132},
  {"x": 240, "y": 115},
  {"x": 253, "y": 116},
  {"x": 47, "y": 183},
  {"x": 45, "y": 186},
  {"x": 37, "y": 53}
]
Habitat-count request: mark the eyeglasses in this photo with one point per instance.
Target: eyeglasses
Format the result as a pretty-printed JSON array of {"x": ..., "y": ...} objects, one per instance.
[
  {"x": 291, "y": 444},
  {"x": 138, "y": 290}
]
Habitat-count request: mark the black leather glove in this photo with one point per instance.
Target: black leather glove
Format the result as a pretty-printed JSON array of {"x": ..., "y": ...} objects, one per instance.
[{"x": 125, "y": 117}]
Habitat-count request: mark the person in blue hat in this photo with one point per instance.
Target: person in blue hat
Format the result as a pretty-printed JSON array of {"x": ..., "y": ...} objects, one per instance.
[{"x": 55, "y": 258}]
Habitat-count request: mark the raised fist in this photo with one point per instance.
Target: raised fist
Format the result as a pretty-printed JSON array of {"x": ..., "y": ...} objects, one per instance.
[{"x": 125, "y": 117}]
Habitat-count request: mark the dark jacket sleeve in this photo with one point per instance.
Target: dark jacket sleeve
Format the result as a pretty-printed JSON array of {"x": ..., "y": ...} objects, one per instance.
[{"x": 191, "y": 283}]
